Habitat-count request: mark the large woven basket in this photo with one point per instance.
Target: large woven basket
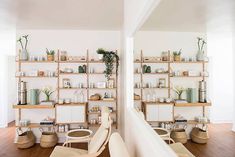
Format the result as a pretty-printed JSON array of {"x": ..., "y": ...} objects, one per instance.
[
  {"x": 48, "y": 139},
  {"x": 26, "y": 139},
  {"x": 199, "y": 136},
  {"x": 179, "y": 135}
]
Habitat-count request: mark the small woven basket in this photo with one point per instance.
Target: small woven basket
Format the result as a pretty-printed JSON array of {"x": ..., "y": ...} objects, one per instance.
[
  {"x": 25, "y": 139},
  {"x": 199, "y": 135},
  {"x": 179, "y": 135},
  {"x": 48, "y": 139}
]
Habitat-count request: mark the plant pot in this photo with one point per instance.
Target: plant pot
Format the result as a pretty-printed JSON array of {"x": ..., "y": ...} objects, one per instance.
[
  {"x": 24, "y": 55},
  {"x": 177, "y": 58},
  {"x": 200, "y": 56},
  {"x": 50, "y": 57}
]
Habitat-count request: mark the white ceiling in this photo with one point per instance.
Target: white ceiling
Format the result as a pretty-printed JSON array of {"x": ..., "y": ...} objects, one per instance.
[
  {"x": 192, "y": 15},
  {"x": 63, "y": 14}
]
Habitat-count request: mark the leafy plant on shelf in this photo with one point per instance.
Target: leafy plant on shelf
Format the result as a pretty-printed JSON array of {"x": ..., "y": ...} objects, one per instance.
[
  {"x": 21, "y": 42},
  {"x": 200, "y": 44},
  {"x": 177, "y": 53},
  {"x": 50, "y": 52},
  {"x": 48, "y": 92},
  {"x": 179, "y": 91},
  {"x": 110, "y": 58}
]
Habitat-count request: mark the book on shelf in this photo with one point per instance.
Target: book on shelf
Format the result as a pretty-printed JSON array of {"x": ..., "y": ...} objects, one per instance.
[{"x": 47, "y": 103}]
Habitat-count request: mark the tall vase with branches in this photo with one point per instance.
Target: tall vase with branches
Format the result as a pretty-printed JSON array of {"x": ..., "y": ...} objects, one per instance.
[
  {"x": 200, "y": 53},
  {"x": 111, "y": 59},
  {"x": 23, "y": 53}
]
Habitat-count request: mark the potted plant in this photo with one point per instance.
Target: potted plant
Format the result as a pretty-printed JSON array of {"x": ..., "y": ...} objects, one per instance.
[
  {"x": 23, "y": 56},
  {"x": 177, "y": 55},
  {"x": 48, "y": 92},
  {"x": 179, "y": 91},
  {"x": 110, "y": 58},
  {"x": 200, "y": 53},
  {"x": 50, "y": 55}
]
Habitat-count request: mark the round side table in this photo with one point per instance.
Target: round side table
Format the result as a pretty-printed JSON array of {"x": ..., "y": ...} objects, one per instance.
[{"x": 77, "y": 134}]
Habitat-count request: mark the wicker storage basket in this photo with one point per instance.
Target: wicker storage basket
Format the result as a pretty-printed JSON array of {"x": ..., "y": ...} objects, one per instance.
[
  {"x": 179, "y": 135},
  {"x": 25, "y": 139},
  {"x": 199, "y": 136},
  {"x": 48, "y": 139}
]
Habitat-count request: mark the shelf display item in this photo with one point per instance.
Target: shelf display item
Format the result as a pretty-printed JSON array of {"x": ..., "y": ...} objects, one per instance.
[
  {"x": 95, "y": 97},
  {"x": 192, "y": 95},
  {"x": 34, "y": 96},
  {"x": 202, "y": 91},
  {"x": 22, "y": 93},
  {"x": 137, "y": 97},
  {"x": 101, "y": 84},
  {"x": 164, "y": 56},
  {"x": 76, "y": 97},
  {"x": 63, "y": 56},
  {"x": 162, "y": 83},
  {"x": 146, "y": 69},
  {"x": 82, "y": 69},
  {"x": 81, "y": 97},
  {"x": 66, "y": 83},
  {"x": 110, "y": 83}
]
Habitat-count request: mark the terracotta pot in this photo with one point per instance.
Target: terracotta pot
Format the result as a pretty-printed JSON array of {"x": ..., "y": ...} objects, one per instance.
[
  {"x": 50, "y": 57},
  {"x": 177, "y": 58}
]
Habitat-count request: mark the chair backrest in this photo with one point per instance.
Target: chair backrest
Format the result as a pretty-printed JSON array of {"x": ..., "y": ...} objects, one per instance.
[
  {"x": 117, "y": 147},
  {"x": 101, "y": 137}
]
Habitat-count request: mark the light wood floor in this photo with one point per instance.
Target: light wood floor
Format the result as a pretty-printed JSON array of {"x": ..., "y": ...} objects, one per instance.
[
  {"x": 9, "y": 149},
  {"x": 221, "y": 144}
]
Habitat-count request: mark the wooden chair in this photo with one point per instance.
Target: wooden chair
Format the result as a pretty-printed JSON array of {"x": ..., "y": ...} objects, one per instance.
[
  {"x": 96, "y": 144},
  {"x": 117, "y": 147}
]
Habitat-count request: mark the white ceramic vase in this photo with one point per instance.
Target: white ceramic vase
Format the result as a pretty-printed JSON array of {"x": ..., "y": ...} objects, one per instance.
[
  {"x": 24, "y": 55},
  {"x": 200, "y": 56}
]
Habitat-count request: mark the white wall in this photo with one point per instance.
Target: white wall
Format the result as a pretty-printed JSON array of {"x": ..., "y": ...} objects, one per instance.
[
  {"x": 220, "y": 48},
  {"x": 7, "y": 49},
  {"x": 135, "y": 13},
  {"x": 75, "y": 42}
]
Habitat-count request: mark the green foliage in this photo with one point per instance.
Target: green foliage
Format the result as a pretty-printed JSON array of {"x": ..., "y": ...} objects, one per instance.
[
  {"x": 179, "y": 91},
  {"x": 200, "y": 43},
  {"x": 21, "y": 42},
  {"x": 177, "y": 53},
  {"x": 109, "y": 58},
  {"x": 50, "y": 52}
]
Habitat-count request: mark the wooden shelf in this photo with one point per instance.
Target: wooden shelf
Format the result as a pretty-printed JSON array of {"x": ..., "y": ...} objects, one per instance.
[
  {"x": 72, "y": 104},
  {"x": 36, "y": 76},
  {"x": 102, "y": 88},
  {"x": 165, "y": 73},
  {"x": 73, "y": 73},
  {"x": 33, "y": 106},
  {"x": 188, "y": 62},
  {"x": 192, "y": 104},
  {"x": 103, "y": 100},
  {"x": 187, "y": 76},
  {"x": 157, "y": 62},
  {"x": 158, "y": 103},
  {"x": 37, "y": 61},
  {"x": 74, "y": 88},
  {"x": 195, "y": 122},
  {"x": 82, "y": 62},
  {"x": 156, "y": 88}
]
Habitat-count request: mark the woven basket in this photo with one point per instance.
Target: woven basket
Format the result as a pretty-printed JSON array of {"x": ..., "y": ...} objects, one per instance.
[
  {"x": 199, "y": 136},
  {"x": 179, "y": 135},
  {"x": 25, "y": 139},
  {"x": 48, "y": 139}
]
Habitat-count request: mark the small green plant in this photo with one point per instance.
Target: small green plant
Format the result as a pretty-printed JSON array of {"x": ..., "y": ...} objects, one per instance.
[
  {"x": 200, "y": 44},
  {"x": 179, "y": 91},
  {"x": 50, "y": 52},
  {"x": 109, "y": 58},
  {"x": 21, "y": 42},
  {"x": 177, "y": 53},
  {"x": 48, "y": 92}
]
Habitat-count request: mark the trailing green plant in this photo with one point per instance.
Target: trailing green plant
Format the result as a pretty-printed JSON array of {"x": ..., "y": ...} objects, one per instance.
[
  {"x": 200, "y": 44},
  {"x": 179, "y": 91},
  {"x": 25, "y": 37},
  {"x": 50, "y": 52},
  {"x": 177, "y": 53},
  {"x": 109, "y": 58}
]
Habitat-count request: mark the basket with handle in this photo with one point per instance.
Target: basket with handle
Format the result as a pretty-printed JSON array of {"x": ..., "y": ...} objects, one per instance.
[
  {"x": 179, "y": 134},
  {"x": 199, "y": 135},
  {"x": 48, "y": 138},
  {"x": 25, "y": 139}
]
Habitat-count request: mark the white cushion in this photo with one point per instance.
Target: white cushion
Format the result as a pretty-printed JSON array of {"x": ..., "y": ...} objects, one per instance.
[
  {"x": 98, "y": 140},
  {"x": 61, "y": 151},
  {"x": 117, "y": 147},
  {"x": 180, "y": 149}
]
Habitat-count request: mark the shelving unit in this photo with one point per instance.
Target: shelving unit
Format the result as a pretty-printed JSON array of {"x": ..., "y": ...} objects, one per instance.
[
  {"x": 60, "y": 89},
  {"x": 169, "y": 76}
]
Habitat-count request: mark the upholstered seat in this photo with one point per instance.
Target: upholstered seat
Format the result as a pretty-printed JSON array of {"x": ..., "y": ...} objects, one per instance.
[
  {"x": 96, "y": 144},
  {"x": 117, "y": 147},
  {"x": 180, "y": 150},
  {"x": 61, "y": 151}
]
